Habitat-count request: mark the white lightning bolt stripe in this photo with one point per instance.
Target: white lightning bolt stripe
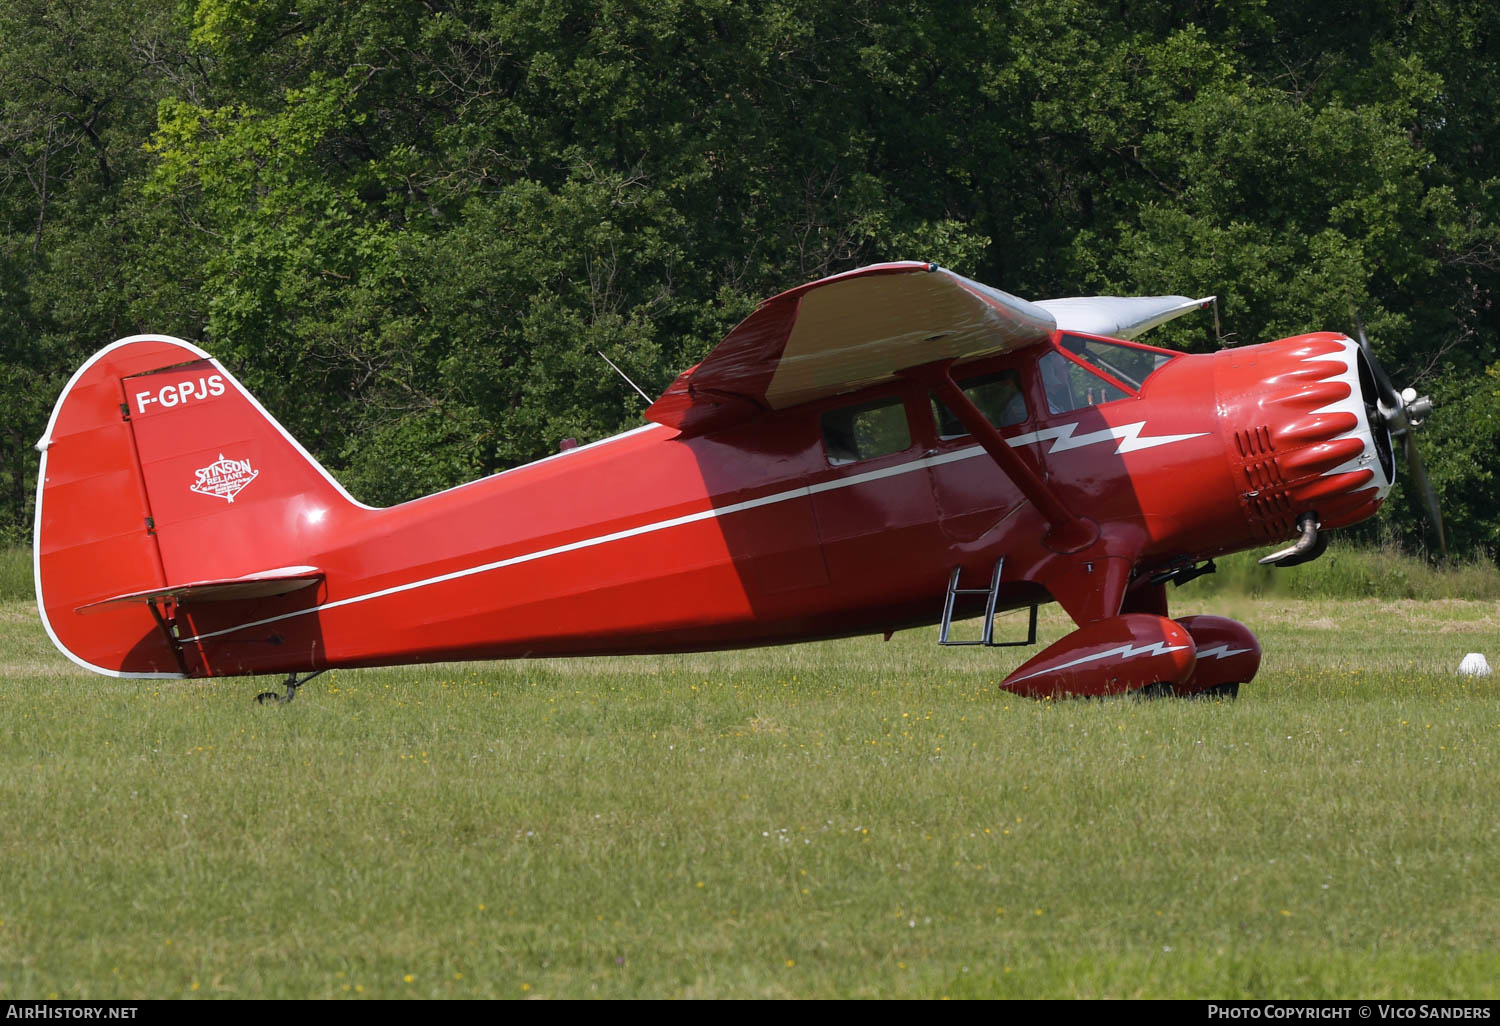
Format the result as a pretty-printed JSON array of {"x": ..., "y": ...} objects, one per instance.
[
  {"x": 1125, "y": 651},
  {"x": 1220, "y": 652},
  {"x": 1129, "y": 436}
]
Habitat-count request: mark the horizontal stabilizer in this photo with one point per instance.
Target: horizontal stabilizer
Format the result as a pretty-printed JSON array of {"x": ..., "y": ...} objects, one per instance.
[{"x": 265, "y": 584}]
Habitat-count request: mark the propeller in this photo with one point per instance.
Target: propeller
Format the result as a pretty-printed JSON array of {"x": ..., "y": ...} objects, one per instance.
[{"x": 1404, "y": 412}]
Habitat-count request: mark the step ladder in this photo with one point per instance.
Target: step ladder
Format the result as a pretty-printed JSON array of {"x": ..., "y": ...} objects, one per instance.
[{"x": 992, "y": 595}]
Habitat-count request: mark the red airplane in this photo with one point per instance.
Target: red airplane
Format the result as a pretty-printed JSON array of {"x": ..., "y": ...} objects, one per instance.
[{"x": 887, "y": 448}]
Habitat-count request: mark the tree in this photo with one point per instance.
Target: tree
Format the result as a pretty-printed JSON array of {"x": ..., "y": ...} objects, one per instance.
[{"x": 410, "y": 226}]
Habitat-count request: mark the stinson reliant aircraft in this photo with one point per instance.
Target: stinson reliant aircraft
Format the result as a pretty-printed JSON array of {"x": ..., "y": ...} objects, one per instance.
[{"x": 891, "y": 447}]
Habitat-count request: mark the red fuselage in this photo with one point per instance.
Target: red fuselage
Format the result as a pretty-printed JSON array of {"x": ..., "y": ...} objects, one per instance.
[{"x": 760, "y": 533}]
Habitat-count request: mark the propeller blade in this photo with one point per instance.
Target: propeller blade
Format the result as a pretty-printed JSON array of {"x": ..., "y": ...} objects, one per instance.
[
  {"x": 1389, "y": 397},
  {"x": 1418, "y": 471},
  {"x": 1403, "y": 412}
]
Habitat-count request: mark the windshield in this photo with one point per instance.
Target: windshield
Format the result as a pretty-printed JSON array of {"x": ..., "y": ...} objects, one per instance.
[{"x": 1126, "y": 364}]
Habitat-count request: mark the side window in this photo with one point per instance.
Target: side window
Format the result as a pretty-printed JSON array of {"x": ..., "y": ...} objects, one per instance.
[
  {"x": 998, "y": 397},
  {"x": 1069, "y": 387},
  {"x": 863, "y": 432}
]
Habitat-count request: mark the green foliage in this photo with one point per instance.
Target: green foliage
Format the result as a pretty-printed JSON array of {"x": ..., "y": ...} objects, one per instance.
[
  {"x": 1460, "y": 450},
  {"x": 409, "y": 227},
  {"x": 1347, "y": 571}
]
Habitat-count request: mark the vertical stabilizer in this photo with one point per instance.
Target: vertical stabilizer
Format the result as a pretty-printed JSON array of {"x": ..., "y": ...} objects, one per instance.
[{"x": 159, "y": 470}]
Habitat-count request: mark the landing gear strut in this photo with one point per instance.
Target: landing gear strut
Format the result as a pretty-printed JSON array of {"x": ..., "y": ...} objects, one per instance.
[{"x": 291, "y": 684}]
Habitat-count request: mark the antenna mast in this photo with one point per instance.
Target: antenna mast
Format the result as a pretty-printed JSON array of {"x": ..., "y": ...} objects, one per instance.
[{"x": 622, "y": 374}]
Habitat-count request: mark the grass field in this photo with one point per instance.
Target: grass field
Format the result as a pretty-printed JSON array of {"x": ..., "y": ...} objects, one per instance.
[{"x": 861, "y": 818}]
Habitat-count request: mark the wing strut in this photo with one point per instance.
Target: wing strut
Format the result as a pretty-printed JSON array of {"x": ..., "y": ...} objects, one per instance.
[{"x": 1069, "y": 533}]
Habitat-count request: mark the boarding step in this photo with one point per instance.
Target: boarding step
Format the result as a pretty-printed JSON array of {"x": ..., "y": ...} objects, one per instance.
[{"x": 992, "y": 596}]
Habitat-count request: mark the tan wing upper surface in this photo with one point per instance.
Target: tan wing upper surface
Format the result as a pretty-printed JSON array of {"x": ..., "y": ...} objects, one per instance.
[
  {"x": 846, "y": 332},
  {"x": 866, "y": 326}
]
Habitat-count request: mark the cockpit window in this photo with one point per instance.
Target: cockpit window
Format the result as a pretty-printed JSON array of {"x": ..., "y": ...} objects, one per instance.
[
  {"x": 1072, "y": 387},
  {"x": 1126, "y": 364},
  {"x": 998, "y": 397},
  {"x": 864, "y": 432}
]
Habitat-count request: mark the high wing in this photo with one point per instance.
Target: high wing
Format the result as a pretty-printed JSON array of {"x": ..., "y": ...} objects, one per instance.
[
  {"x": 866, "y": 326},
  {"x": 842, "y": 333}
]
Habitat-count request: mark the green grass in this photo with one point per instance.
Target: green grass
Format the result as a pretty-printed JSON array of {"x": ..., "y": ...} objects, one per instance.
[
  {"x": 15, "y": 573},
  {"x": 1348, "y": 571},
  {"x": 858, "y": 818}
]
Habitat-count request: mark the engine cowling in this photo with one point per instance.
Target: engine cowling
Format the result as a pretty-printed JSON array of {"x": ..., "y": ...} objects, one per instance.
[{"x": 1303, "y": 433}]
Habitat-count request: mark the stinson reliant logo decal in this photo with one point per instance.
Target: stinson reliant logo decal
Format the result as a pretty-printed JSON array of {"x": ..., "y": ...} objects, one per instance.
[{"x": 224, "y": 478}]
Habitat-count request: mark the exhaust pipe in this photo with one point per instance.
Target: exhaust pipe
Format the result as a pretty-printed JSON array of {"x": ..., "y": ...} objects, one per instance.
[{"x": 1308, "y": 546}]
